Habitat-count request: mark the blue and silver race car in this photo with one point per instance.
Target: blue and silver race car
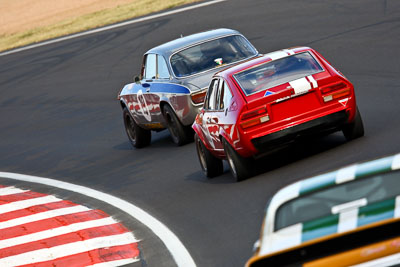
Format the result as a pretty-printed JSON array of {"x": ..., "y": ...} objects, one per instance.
[{"x": 173, "y": 83}]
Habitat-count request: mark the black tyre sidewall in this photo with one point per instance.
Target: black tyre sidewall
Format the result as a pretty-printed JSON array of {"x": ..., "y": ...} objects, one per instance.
[
  {"x": 142, "y": 137},
  {"x": 354, "y": 129},
  {"x": 238, "y": 165},
  {"x": 177, "y": 131},
  {"x": 210, "y": 165}
]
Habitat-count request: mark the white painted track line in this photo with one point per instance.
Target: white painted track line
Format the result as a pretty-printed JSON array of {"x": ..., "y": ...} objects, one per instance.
[
  {"x": 23, "y": 204},
  {"x": 114, "y": 26},
  {"x": 42, "y": 216},
  {"x": 11, "y": 190},
  {"x": 114, "y": 263},
  {"x": 15, "y": 241},
  {"x": 171, "y": 241},
  {"x": 53, "y": 253}
]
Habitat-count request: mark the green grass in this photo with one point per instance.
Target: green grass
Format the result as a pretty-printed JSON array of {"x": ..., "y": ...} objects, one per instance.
[{"x": 89, "y": 21}]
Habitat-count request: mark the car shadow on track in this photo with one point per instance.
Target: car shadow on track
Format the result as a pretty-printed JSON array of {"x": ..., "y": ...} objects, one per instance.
[
  {"x": 297, "y": 151},
  {"x": 199, "y": 176},
  {"x": 158, "y": 140}
]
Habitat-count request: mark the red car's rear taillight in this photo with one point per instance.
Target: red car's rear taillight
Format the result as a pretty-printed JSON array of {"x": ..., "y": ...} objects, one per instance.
[
  {"x": 333, "y": 87},
  {"x": 254, "y": 117},
  {"x": 335, "y": 91},
  {"x": 253, "y": 113}
]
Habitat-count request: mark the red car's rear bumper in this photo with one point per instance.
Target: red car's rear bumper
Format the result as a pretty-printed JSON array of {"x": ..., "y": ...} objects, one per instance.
[
  {"x": 296, "y": 117},
  {"x": 325, "y": 124}
]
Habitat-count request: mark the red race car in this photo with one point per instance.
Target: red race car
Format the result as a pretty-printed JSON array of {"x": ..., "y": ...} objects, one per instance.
[{"x": 266, "y": 103}]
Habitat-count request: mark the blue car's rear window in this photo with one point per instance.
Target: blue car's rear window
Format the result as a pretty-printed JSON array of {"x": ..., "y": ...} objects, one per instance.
[
  {"x": 277, "y": 72},
  {"x": 211, "y": 54}
]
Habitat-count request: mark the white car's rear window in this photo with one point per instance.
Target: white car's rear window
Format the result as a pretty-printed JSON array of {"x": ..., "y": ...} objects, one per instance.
[{"x": 375, "y": 194}]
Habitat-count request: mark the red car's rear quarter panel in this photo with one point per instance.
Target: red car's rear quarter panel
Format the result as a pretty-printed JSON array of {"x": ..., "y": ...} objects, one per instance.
[
  {"x": 198, "y": 128},
  {"x": 232, "y": 131}
]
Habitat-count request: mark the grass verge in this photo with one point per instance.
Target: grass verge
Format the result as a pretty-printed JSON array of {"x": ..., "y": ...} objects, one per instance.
[{"x": 89, "y": 21}]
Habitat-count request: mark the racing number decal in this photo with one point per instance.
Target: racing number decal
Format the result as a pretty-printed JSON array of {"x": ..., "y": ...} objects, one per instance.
[{"x": 143, "y": 105}]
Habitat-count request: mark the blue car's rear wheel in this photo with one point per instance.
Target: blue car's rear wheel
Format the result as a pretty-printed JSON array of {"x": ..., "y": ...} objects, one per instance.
[
  {"x": 210, "y": 165},
  {"x": 179, "y": 133},
  {"x": 138, "y": 137}
]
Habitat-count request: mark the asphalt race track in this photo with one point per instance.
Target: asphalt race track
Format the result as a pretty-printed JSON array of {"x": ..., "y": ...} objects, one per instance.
[{"x": 60, "y": 117}]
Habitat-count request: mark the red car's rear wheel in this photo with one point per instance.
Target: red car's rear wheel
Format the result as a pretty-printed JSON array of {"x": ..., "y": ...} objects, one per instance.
[
  {"x": 210, "y": 165},
  {"x": 239, "y": 166},
  {"x": 354, "y": 129}
]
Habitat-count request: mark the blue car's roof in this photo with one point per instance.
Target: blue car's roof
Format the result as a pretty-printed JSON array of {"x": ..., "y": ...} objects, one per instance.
[{"x": 171, "y": 47}]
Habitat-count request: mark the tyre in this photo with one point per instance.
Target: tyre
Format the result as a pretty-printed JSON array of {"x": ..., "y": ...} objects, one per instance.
[
  {"x": 138, "y": 136},
  {"x": 354, "y": 129},
  {"x": 180, "y": 134},
  {"x": 210, "y": 165},
  {"x": 239, "y": 166}
]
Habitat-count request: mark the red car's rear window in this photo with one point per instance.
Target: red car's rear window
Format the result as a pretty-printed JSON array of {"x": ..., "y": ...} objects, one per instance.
[{"x": 277, "y": 72}]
